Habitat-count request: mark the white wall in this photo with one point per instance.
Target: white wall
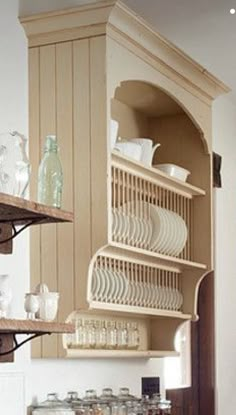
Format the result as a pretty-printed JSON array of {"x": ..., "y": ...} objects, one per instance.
[{"x": 24, "y": 380}]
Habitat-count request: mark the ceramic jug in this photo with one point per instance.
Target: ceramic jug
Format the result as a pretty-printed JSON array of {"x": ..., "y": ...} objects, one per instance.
[
  {"x": 5, "y": 295},
  {"x": 148, "y": 149}
]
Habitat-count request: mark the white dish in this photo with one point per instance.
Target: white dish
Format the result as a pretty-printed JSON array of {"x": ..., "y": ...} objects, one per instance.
[{"x": 174, "y": 171}]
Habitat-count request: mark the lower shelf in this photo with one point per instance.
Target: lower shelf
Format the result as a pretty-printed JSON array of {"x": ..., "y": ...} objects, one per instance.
[
  {"x": 114, "y": 354},
  {"x": 151, "y": 336}
]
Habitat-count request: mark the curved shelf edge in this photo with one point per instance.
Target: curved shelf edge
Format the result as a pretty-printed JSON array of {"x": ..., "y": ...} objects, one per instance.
[
  {"x": 136, "y": 310},
  {"x": 190, "y": 285}
]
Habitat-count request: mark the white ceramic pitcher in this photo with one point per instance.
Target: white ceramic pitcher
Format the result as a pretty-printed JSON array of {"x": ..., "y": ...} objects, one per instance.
[
  {"x": 5, "y": 295},
  {"x": 148, "y": 149}
]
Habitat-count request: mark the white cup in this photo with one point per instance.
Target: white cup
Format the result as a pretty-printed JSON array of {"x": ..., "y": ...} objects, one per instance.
[{"x": 31, "y": 305}]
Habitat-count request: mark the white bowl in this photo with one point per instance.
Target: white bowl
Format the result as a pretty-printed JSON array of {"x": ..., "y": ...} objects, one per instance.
[{"x": 174, "y": 171}]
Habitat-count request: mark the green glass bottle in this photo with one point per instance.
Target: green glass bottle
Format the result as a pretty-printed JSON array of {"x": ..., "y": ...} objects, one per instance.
[{"x": 50, "y": 176}]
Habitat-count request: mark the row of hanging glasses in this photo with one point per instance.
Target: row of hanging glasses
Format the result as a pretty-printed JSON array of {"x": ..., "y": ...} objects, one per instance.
[
  {"x": 103, "y": 334},
  {"x": 120, "y": 282}
]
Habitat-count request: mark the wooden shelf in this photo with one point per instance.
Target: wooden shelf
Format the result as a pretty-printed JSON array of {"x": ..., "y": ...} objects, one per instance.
[
  {"x": 154, "y": 175},
  {"x": 117, "y": 354},
  {"x": 21, "y": 211},
  {"x": 122, "y": 251},
  {"x": 9, "y": 328},
  {"x": 136, "y": 310},
  {"x": 33, "y": 326}
]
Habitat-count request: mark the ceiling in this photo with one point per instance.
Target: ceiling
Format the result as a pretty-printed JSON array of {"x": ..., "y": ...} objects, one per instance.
[{"x": 204, "y": 29}]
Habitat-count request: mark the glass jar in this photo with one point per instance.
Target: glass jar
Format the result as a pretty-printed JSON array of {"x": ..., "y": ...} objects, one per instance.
[
  {"x": 107, "y": 395},
  {"x": 53, "y": 406},
  {"x": 124, "y": 395},
  {"x": 122, "y": 338},
  {"x": 145, "y": 402},
  {"x": 72, "y": 398},
  {"x": 90, "y": 396},
  {"x": 111, "y": 335},
  {"x": 165, "y": 406},
  {"x": 114, "y": 405}
]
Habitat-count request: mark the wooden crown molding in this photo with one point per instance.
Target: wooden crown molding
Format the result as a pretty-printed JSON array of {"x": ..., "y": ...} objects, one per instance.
[{"x": 109, "y": 17}]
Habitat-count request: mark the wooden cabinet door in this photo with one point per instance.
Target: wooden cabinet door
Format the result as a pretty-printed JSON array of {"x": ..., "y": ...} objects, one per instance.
[{"x": 199, "y": 399}]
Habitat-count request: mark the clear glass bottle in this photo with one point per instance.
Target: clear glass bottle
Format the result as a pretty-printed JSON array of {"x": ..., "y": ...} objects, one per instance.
[
  {"x": 91, "y": 334},
  {"x": 122, "y": 338},
  {"x": 111, "y": 335},
  {"x": 79, "y": 334},
  {"x": 132, "y": 335},
  {"x": 100, "y": 335},
  {"x": 50, "y": 176}
]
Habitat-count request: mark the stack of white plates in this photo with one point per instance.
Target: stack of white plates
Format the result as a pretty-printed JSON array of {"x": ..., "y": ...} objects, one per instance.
[
  {"x": 169, "y": 231},
  {"x": 150, "y": 227},
  {"x": 132, "y": 226},
  {"x": 111, "y": 286}
]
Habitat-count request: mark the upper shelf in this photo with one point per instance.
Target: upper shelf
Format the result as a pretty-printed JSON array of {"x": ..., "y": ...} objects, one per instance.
[
  {"x": 19, "y": 211},
  {"x": 122, "y": 251},
  {"x": 154, "y": 175}
]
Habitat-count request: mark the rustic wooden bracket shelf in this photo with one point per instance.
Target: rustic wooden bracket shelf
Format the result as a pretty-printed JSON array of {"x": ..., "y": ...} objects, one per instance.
[
  {"x": 9, "y": 328},
  {"x": 17, "y": 214},
  {"x": 17, "y": 345}
]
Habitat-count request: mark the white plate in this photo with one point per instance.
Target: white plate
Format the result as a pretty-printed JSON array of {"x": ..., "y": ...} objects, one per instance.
[
  {"x": 98, "y": 284},
  {"x": 159, "y": 217},
  {"x": 182, "y": 233},
  {"x": 157, "y": 227}
]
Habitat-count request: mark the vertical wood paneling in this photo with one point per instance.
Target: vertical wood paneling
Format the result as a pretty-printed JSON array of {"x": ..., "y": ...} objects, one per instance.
[
  {"x": 82, "y": 147},
  {"x": 34, "y": 114},
  {"x": 99, "y": 148},
  {"x": 48, "y": 126},
  {"x": 65, "y": 239}
]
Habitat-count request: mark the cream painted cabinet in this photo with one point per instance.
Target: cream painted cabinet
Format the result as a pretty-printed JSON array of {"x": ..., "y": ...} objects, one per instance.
[{"x": 86, "y": 66}]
